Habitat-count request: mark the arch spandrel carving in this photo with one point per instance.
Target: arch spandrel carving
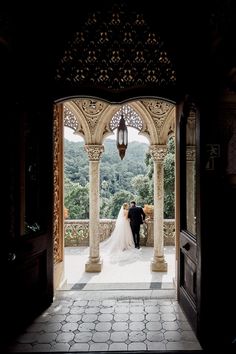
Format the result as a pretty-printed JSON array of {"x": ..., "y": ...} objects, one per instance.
[
  {"x": 168, "y": 129},
  {"x": 162, "y": 114},
  {"x": 84, "y": 117},
  {"x": 74, "y": 119},
  {"x": 92, "y": 111}
]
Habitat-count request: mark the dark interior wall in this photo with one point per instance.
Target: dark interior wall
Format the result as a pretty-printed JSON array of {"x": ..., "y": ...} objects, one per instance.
[
  {"x": 218, "y": 230},
  {"x": 39, "y": 36},
  {"x": 199, "y": 38},
  {"x": 204, "y": 56}
]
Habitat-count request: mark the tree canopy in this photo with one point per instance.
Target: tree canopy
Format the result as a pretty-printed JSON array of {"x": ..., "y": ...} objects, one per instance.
[{"x": 120, "y": 180}]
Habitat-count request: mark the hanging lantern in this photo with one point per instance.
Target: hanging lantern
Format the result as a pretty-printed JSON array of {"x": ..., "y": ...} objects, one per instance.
[{"x": 122, "y": 137}]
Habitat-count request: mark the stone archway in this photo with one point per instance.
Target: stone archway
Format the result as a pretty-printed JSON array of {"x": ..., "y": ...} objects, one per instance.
[{"x": 96, "y": 119}]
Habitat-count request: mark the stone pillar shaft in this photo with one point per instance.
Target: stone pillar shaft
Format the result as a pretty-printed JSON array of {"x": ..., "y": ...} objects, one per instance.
[
  {"x": 94, "y": 210},
  {"x": 94, "y": 263},
  {"x": 158, "y": 153}
]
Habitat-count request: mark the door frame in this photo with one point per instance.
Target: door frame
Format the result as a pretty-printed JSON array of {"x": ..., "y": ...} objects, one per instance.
[
  {"x": 58, "y": 210},
  {"x": 181, "y": 215}
]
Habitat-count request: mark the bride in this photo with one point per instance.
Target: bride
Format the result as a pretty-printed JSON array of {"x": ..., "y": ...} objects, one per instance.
[{"x": 120, "y": 245}]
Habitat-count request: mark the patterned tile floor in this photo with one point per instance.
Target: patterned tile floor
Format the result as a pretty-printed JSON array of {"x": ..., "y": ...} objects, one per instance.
[
  {"x": 109, "y": 321},
  {"x": 129, "y": 318}
]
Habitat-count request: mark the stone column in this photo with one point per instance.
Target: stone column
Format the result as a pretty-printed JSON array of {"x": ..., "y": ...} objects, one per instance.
[
  {"x": 158, "y": 153},
  {"x": 190, "y": 188},
  {"x": 94, "y": 264}
]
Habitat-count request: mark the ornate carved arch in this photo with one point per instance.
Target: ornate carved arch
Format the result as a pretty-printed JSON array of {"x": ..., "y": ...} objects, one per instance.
[{"x": 96, "y": 119}]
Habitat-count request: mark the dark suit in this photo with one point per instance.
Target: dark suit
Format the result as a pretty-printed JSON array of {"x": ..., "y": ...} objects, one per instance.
[{"x": 136, "y": 216}]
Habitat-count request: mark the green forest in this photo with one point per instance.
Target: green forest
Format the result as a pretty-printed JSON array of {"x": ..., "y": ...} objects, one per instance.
[{"x": 120, "y": 180}]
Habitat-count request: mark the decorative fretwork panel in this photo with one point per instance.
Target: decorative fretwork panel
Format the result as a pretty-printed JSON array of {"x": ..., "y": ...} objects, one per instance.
[
  {"x": 132, "y": 119},
  {"x": 70, "y": 120},
  {"x": 116, "y": 49}
]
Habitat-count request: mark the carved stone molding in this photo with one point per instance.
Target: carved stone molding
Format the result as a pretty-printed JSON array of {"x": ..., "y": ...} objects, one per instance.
[
  {"x": 158, "y": 152},
  {"x": 94, "y": 152},
  {"x": 132, "y": 119},
  {"x": 191, "y": 153},
  {"x": 58, "y": 254}
]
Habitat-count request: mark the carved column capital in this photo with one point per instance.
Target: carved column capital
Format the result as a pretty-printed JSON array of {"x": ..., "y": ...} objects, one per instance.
[
  {"x": 94, "y": 152},
  {"x": 158, "y": 152},
  {"x": 190, "y": 153}
]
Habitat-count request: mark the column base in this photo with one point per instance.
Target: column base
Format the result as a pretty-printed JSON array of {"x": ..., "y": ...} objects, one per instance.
[
  {"x": 159, "y": 266},
  {"x": 93, "y": 267}
]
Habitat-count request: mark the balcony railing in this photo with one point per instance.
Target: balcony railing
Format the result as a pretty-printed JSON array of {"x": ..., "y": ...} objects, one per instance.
[{"x": 77, "y": 232}]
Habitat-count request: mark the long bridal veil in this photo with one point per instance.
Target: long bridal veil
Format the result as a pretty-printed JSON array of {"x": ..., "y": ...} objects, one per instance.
[{"x": 119, "y": 247}]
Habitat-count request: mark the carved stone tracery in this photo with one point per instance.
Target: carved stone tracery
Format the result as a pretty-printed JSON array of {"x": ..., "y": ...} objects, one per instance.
[
  {"x": 70, "y": 120},
  {"x": 116, "y": 49},
  {"x": 132, "y": 119}
]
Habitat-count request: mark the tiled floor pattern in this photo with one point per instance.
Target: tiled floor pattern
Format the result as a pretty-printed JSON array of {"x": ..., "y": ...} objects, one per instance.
[{"x": 109, "y": 321}]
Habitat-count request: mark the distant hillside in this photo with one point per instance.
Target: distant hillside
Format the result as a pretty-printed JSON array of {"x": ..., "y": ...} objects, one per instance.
[
  {"x": 120, "y": 180},
  {"x": 112, "y": 169}
]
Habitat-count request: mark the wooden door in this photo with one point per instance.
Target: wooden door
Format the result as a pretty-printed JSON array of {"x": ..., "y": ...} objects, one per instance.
[
  {"x": 189, "y": 267},
  {"x": 28, "y": 242}
]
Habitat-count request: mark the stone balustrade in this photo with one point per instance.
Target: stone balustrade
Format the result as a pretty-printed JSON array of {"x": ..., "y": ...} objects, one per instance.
[{"x": 77, "y": 232}]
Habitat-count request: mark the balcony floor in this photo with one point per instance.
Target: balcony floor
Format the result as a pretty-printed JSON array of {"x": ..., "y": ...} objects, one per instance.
[{"x": 133, "y": 275}]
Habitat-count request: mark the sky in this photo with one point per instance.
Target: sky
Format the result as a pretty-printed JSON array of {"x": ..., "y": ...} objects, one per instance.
[{"x": 132, "y": 136}]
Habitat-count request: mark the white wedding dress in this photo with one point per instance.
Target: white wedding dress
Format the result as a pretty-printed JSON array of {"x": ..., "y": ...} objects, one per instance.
[{"x": 120, "y": 245}]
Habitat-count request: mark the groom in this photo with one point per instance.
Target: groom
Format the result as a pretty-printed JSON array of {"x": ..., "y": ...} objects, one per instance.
[{"x": 136, "y": 216}]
